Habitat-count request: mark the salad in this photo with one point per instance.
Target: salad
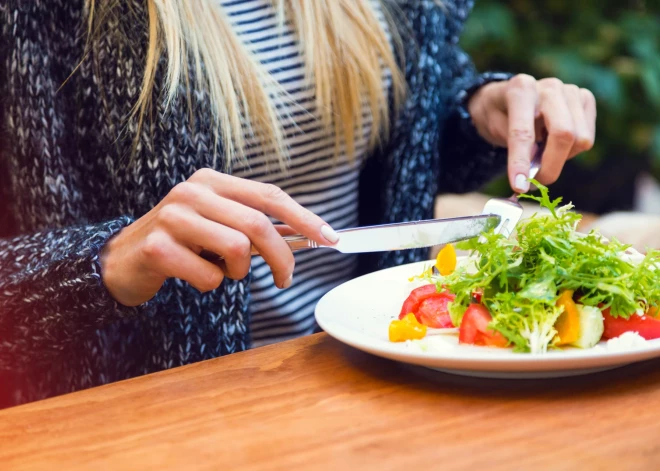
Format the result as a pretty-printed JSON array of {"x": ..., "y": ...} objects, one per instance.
[{"x": 548, "y": 287}]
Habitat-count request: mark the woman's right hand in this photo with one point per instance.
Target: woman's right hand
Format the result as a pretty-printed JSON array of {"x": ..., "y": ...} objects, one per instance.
[{"x": 211, "y": 211}]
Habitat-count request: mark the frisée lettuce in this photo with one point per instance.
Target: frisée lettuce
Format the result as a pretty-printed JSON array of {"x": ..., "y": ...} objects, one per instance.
[{"x": 520, "y": 279}]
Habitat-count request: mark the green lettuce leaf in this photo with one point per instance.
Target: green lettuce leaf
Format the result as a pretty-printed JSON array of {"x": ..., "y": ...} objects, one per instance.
[{"x": 521, "y": 278}]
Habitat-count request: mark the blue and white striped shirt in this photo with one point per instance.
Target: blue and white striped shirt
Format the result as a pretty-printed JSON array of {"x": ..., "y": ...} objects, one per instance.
[{"x": 314, "y": 179}]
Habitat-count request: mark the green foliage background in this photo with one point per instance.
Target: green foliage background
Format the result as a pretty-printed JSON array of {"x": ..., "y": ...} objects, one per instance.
[{"x": 610, "y": 47}]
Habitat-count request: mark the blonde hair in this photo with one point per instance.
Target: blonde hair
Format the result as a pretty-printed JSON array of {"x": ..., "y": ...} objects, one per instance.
[{"x": 345, "y": 49}]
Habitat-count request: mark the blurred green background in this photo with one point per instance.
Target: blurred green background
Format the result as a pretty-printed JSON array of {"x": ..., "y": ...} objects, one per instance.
[{"x": 610, "y": 47}]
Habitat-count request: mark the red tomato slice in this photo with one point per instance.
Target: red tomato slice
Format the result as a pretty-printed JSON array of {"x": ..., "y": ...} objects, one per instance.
[
  {"x": 415, "y": 298},
  {"x": 474, "y": 328},
  {"x": 475, "y": 320},
  {"x": 433, "y": 311},
  {"x": 645, "y": 326}
]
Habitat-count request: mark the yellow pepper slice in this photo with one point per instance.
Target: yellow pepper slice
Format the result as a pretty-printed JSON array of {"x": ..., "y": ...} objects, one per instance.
[
  {"x": 425, "y": 273},
  {"x": 446, "y": 260},
  {"x": 568, "y": 323},
  {"x": 407, "y": 328}
]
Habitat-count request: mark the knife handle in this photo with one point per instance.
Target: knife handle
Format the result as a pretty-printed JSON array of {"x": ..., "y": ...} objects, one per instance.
[{"x": 296, "y": 242}]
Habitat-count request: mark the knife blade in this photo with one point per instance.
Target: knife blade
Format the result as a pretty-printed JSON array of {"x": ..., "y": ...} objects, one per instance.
[
  {"x": 398, "y": 236},
  {"x": 413, "y": 235}
]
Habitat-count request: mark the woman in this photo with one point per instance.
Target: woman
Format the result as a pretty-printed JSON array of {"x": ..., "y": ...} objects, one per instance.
[{"x": 137, "y": 134}]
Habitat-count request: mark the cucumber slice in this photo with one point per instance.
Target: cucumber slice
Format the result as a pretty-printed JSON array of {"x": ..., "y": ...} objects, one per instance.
[{"x": 591, "y": 326}]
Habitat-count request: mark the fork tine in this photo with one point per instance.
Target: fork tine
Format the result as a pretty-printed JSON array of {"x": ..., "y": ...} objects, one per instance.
[{"x": 509, "y": 211}]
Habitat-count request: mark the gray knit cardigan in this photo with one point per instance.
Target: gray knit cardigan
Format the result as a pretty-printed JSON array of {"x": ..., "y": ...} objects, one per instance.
[{"x": 68, "y": 184}]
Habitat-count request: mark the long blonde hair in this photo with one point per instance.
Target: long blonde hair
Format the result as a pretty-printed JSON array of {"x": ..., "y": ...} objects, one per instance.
[{"x": 345, "y": 49}]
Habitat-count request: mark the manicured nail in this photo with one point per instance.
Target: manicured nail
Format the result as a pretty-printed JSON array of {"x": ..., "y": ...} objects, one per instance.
[
  {"x": 287, "y": 282},
  {"x": 330, "y": 234},
  {"x": 521, "y": 183}
]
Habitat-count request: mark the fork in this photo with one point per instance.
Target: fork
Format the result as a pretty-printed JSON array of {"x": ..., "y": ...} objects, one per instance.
[{"x": 509, "y": 209}]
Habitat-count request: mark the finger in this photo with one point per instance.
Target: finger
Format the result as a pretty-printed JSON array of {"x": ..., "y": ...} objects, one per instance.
[
  {"x": 497, "y": 127},
  {"x": 583, "y": 139},
  {"x": 489, "y": 109},
  {"x": 246, "y": 220},
  {"x": 521, "y": 99},
  {"x": 498, "y": 95},
  {"x": 199, "y": 233},
  {"x": 270, "y": 200},
  {"x": 285, "y": 230},
  {"x": 560, "y": 128},
  {"x": 260, "y": 231},
  {"x": 173, "y": 260},
  {"x": 589, "y": 107}
]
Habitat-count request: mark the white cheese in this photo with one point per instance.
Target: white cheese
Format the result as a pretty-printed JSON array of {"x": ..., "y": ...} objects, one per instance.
[{"x": 625, "y": 341}]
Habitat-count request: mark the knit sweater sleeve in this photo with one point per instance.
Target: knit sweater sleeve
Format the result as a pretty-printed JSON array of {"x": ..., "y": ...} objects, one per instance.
[
  {"x": 51, "y": 291},
  {"x": 467, "y": 160}
]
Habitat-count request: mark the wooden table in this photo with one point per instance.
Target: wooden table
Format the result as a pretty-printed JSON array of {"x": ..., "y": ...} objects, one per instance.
[{"x": 314, "y": 403}]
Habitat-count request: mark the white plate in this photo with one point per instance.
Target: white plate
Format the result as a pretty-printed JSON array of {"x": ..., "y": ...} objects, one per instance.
[{"x": 358, "y": 313}]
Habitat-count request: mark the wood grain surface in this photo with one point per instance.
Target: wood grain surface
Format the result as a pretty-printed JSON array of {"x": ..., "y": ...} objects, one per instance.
[{"x": 314, "y": 403}]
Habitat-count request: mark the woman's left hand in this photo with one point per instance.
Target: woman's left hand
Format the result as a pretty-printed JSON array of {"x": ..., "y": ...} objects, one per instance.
[{"x": 518, "y": 113}]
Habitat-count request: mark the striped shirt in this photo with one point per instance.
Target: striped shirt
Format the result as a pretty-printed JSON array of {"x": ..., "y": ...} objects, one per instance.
[{"x": 314, "y": 178}]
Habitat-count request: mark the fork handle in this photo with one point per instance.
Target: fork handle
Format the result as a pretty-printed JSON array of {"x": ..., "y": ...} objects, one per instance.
[
  {"x": 295, "y": 242},
  {"x": 535, "y": 164}
]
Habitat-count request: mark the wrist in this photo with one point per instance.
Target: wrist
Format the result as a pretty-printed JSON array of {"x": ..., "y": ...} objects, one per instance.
[
  {"x": 109, "y": 270},
  {"x": 122, "y": 273}
]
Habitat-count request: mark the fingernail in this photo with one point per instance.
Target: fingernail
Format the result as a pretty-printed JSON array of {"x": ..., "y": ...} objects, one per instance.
[
  {"x": 521, "y": 183},
  {"x": 287, "y": 282},
  {"x": 330, "y": 234}
]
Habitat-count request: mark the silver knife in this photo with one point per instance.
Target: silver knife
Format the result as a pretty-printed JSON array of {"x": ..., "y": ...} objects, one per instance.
[{"x": 399, "y": 236}]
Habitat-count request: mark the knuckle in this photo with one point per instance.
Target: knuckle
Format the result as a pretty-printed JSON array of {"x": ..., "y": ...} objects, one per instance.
[
  {"x": 522, "y": 81},
  {"x": 155, "y": 246},
  {"x": 520, "y": 163},
  {"x": 203, "y": 174},
  {"x": 522, "y": 134},
  {"x": 550, "y": 95},
  {"x": 520, "y": 95},
  {"x": 553, "y": 83},
  {"x": 588, "y": 96},
  {"x": 564, "y": 136},
  {"x": 587, "y": 93},
  {"x": 573, "y": 89},
  {"x": 184, "y": 192},
  {"x": 239, "y": 247},
  {"x": 274, "y": 193},
  {"x": 258, "y": 225},
  {"x": 170, "y": 215}
]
